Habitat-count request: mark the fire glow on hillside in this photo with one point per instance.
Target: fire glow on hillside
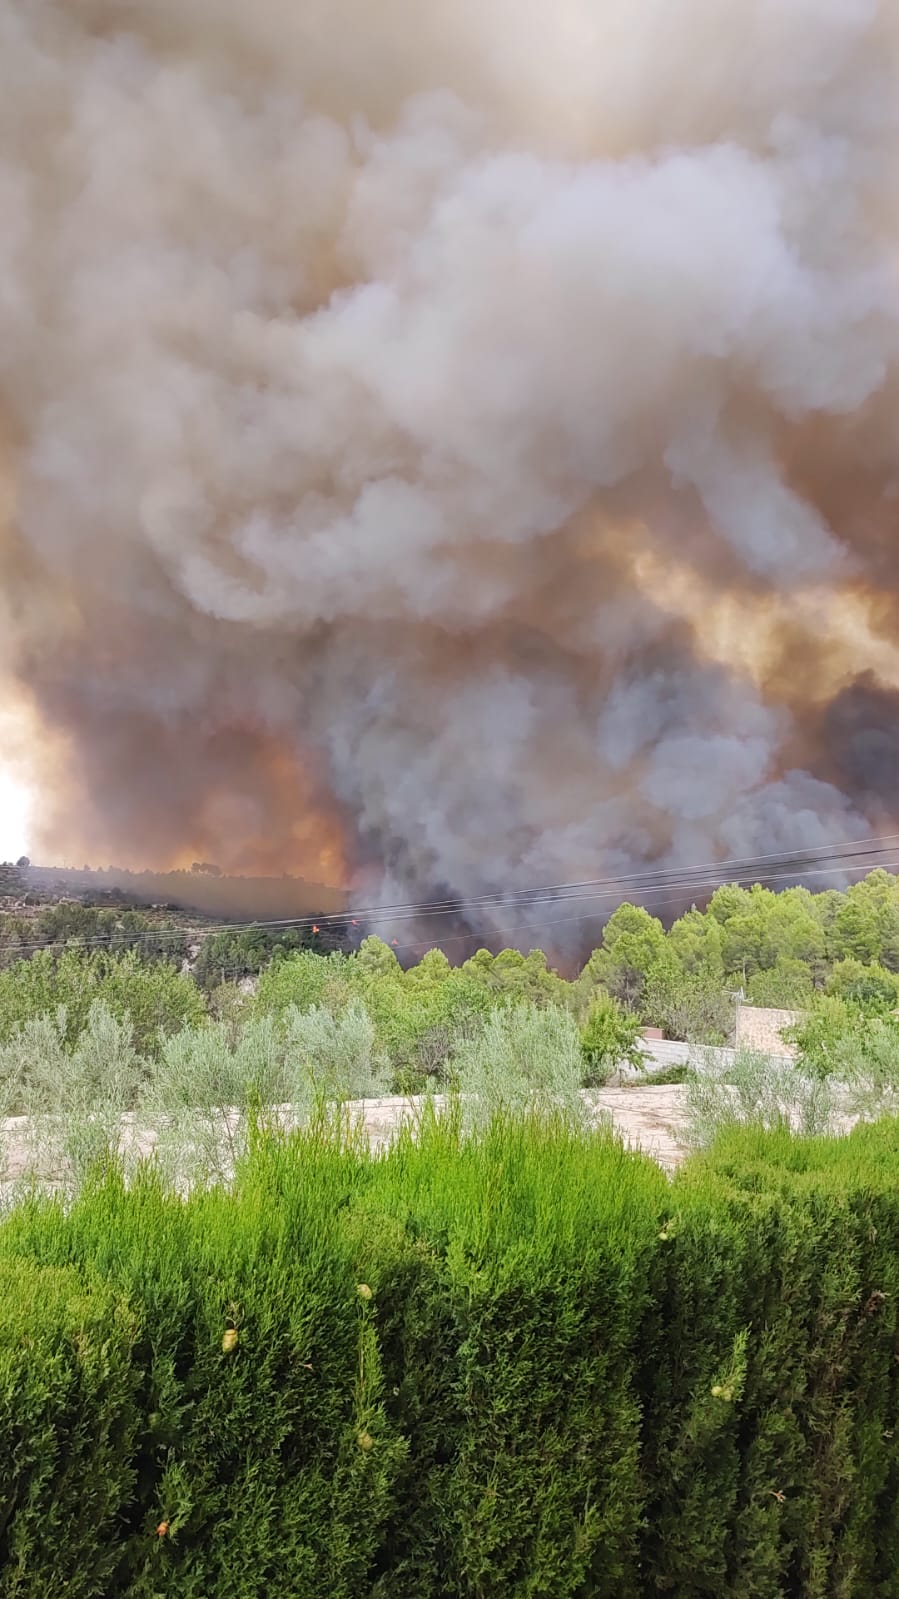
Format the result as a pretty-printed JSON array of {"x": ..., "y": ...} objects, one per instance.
[{"x": 450, "y": 444}]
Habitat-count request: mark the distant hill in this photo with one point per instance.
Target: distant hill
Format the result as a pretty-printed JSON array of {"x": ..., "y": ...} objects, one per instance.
[{"x": 205, "y": 891}]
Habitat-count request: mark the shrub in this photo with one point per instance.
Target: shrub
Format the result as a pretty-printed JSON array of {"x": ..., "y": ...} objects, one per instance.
[
  {"x": 872, "y": 988},
  {"x": 610, "y": 1038},
  {"x": 839, "y": 1040},
  {"x": 157, "y": 998},
  {"x": 69, "y": 1428},
  {"x": 523, "y": 1058},
  {"x": 694, "y": 1006},
  {"x": 74, "y": 1095},
  {"x": 304, "y": 979},
  {"x": 515, "y": 1361},
  {"x": 201, "y": 1090},
  {"x": 512, "y": 1272},
  {"x": 333, "y": 1057},
  {"x": 210, "y": 1083},
  {"x": 750, "y": 1089},
  {"x": 264, "y": 1463}
]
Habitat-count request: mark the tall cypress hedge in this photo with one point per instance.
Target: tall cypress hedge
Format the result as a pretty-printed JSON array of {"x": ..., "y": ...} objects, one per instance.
[{"x": 523, "y": 1363}]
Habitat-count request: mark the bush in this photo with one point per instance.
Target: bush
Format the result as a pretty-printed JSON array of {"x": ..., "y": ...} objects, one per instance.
[
  {"x": 872, "y": 988},
  {"x": 333, "y": 1057},
  {"x": 209, "y": 1084},
  {"x": 69, "y": 1431},
  {"x": 523, "y": 1058},
  {"x": 74, "y": 1096},
  {"x": 200, "y": 1093},
  {"x": 749, "y": 1089},
  {"x": 840, "y": 1040},
  {"x": 157, "y": 998},
  {"x": 693, "y": 1006},
  {"x": 513, "y": 1363},
  {"x": 304, "y": 979},
  {"x": 264, "y": 1464},
  {"x": 610, "y": 1038}
]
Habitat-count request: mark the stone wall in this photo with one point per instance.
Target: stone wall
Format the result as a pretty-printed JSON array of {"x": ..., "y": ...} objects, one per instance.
[{"x": 762, "y": 1029}]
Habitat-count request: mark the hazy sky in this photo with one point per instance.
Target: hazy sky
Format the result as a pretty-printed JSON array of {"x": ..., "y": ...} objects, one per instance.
[{"x": 14, "y": 807}]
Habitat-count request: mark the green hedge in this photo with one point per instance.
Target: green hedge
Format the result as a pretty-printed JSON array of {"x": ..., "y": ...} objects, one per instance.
[{"x": 523, "y": 1364}]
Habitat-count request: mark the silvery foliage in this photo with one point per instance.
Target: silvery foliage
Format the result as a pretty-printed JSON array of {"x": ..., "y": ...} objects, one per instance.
[
  {"x": 523, "y": 1058},
  {"x": 749, "y": 1088},
  {"x": 74, "y": 1097}
]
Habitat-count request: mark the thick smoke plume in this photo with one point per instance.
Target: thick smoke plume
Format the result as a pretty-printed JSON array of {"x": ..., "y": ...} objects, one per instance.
[{"x": 452, "y": 441}]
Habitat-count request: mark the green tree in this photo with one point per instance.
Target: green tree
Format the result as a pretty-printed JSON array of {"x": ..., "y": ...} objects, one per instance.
[
  {"x": 728, "y": 901},
  {"x": 157, "y": 998},
  {"x": 870, "y": 987},
  {"x": 633, "y": 943},
  {"x": 866, "y": 927},
  {"x": 377, "y": 959},
  {"x": 511, "y": 975},
  {"x": 770, "y": 928},
  {"x": 839, "y": 1040},
  {"x": 785, "y": 985},
  {"x": 695, "y": 1006},
  {"x": 241, "y": 952},
  {"x": 304, "y": 979},
  {"x": 71, "y": 923},
  {"x": 696, "y": 941}
]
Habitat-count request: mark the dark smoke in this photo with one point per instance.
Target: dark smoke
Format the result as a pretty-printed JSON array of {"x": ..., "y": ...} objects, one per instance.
[{"x": 450, "y": 444}]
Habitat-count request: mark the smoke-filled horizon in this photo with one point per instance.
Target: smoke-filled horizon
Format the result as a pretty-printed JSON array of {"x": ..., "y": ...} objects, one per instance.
[{"x": 450, "y": 446}]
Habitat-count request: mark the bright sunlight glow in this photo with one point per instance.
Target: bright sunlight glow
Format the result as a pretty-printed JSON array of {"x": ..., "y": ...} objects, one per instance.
[{"x": 15, "y": 816}]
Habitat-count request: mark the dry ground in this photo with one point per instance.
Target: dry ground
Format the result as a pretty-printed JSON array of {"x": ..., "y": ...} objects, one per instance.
[{"x": 648, "y": 1118}]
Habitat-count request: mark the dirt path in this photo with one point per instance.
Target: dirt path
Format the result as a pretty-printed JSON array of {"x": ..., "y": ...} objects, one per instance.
[{"x": 648, "y": 1118}]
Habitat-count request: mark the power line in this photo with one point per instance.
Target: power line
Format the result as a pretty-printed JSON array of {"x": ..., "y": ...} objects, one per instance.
[
  {"x": 673, "y": 882},
  {"x": 664, "y": 894}
]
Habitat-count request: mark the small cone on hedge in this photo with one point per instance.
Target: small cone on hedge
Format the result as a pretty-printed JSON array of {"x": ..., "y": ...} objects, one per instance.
[{"x": 229, "y": 1340}]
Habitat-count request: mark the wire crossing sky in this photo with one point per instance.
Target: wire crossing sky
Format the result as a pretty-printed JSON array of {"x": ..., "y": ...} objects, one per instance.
[{"x": 449, "y": 447}]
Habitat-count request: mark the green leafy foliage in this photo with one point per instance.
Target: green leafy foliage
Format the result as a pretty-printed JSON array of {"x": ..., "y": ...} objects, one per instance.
[
  {"x": 632, "y": 944},
  {"x": 515, "y": 1361},
  {"x": 693, "y": 1005},
  {"x": 843, "y": 1040},
  {"x": 523, "y": 1058},
  {"x": 610, "y": 1038},
  {"x": 155, "y": 997},
  {"x": 781, "y": 950},
  {"x": 70, "y": 924},
  {"x": 871, "y": 988},
  {"x": 70, "y": 1424},
  {"x": 238, "y": 953}
]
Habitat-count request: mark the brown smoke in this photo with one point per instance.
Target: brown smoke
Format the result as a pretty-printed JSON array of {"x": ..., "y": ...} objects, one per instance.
[{"x": 451, "y": 439}]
